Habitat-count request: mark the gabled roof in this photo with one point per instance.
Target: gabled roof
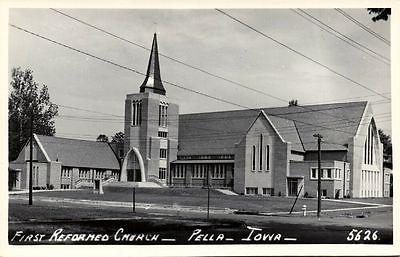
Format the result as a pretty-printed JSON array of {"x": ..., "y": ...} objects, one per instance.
[
  {"x": 337, "y": 123},
  {"x": 217, "y": 132},
  {"x": 79, "y": 153}
]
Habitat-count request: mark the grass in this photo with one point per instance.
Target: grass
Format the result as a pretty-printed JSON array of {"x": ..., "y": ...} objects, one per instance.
[{"x": 198, "y": 197}]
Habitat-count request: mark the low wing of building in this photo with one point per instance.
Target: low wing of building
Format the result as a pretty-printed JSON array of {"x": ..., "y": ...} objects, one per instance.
[{"x": 66, "y": 163}]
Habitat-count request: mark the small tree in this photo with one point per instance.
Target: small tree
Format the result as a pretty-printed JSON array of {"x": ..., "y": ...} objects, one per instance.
[
  {"x": 27, "y": 100},
  {"x": 293, "y": 102},
  {"x": 386, "y": 141},
  {"x": 102, "y": 138},
  {"x": 118, "y": 138},
  {"x": 381, "y": 13},
  {"x": 118, "y": 142}
]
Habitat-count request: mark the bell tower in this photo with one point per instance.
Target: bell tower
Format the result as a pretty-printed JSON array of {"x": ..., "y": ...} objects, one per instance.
[{"x": 151, "y": 128}]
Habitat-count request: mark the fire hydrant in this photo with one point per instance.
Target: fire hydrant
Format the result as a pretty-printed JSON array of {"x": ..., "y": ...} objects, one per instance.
[{"x": 304, "y": 209}]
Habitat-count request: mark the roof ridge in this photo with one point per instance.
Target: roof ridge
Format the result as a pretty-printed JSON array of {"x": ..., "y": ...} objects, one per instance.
[
  {"x": 264, "y": 108},
  {"x": 74, "y": 139}
]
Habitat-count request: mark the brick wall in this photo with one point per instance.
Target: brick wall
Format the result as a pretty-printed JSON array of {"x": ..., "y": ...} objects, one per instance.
[
  {"x": 240, "y": 167},
  {"x": 303, "y": 169},
  {"x": 145, "y": 136},
  {"x": 356, "y": 154},
  {"x": 326, "y": 155},
  {"x": 279, "y": 154},
  {"x": 55, "y": 174}
]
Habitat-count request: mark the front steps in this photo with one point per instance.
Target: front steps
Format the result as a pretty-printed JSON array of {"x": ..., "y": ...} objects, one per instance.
[
  {"x": 226, "y": 191},
  {"x": 133, "y": 184}
]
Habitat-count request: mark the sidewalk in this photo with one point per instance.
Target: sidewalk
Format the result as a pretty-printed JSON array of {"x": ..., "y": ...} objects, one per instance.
[
  {"x": 26, "y": 191},
  {"x": 146, "y": 206}
]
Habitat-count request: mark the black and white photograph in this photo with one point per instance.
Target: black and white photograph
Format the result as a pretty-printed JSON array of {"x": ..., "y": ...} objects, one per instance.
[{"x": 208, "y": 127}]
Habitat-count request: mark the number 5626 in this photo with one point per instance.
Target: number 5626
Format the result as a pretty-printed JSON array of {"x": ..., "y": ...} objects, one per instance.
[{"x": 364, "y": 235}]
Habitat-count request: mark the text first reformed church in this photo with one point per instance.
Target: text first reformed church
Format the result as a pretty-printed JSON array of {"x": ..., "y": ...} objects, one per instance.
[{"x": 267, "y": 151}]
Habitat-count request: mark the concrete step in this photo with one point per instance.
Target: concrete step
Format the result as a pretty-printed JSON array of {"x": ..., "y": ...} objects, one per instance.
[
  {"x": 226, "y": 191},
  {"x": 132, "y": 184}
]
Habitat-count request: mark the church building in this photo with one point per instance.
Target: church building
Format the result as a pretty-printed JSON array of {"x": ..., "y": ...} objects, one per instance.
[{"x": 265, "y": 151}]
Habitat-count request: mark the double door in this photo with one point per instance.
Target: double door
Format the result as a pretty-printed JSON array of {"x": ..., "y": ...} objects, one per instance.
[{"x": 134, "y": 175}]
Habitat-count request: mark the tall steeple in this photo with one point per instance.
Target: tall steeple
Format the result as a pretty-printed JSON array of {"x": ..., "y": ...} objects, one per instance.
[{"x": 152, "y": 82}]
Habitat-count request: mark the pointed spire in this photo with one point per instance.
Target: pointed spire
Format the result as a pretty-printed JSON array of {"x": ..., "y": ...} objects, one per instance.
[{"x": 152, "y": 82}]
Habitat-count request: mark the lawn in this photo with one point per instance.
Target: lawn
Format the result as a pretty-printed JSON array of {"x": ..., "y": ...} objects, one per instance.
[{"x": 197, "y": 197}]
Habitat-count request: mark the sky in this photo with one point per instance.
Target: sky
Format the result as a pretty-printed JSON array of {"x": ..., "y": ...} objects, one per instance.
[{"x": 205, "y": 39}]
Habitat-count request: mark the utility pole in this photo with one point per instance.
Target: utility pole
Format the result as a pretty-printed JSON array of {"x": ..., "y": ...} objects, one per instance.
[
  {"x": 208, "y": 194},
  {"x": 319, "y": 136},
  {"x": 134, "y": 199},
  {"x": 31, "y": 160}
]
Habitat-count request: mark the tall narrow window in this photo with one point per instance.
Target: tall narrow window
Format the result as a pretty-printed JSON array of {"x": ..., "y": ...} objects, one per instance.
[
  {"x": 163, "y": 153},
  {"x": 140, "y": 113},
  {"x": 253, "y": 157},
  {"x": 313, "y": 173},
  {"x": 161, "y": 173},
  {"x": 159, "y": 115},
  {"x": 162, "y": 114},
  {"x": 165, "y": 115},
  {"x": 136, "y": 113},
  {"x": 133, "y": 113},
  {"x": 369, "y": 146},
  {"x": 260, "y": 157},
  {"x": 372, "y": 145},
  {"x": 267, "y": 157},
  {"x": 365, "y": 151}
]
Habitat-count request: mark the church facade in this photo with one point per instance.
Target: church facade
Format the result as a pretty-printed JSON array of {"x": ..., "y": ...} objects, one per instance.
[
  {"x": 268, "y": 151},
  {"x": 265, "y": 151}
]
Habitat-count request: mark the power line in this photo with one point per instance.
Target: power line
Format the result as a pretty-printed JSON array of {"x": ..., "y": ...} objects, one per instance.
[
  {"x": 341, "y": 38},
  {"x": 196, "y": 139},
  {"x": 86, "y": 110},
  {"x": 343, "y": 35},
  {"x": 283, "y": 130},
  {"x": 124, "y": 67},
  {"x": 370, "y": 31},
  {"x": 110, "y": 114},
  {"x": 301, "y": 54},
  {"x": 164, "y": 81},
  {"x": 351, "y": 98},
  {"x": 182, "y": 121},
  {"x": 170, "y": 58},
  {"x": 166, "y": 56}
]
